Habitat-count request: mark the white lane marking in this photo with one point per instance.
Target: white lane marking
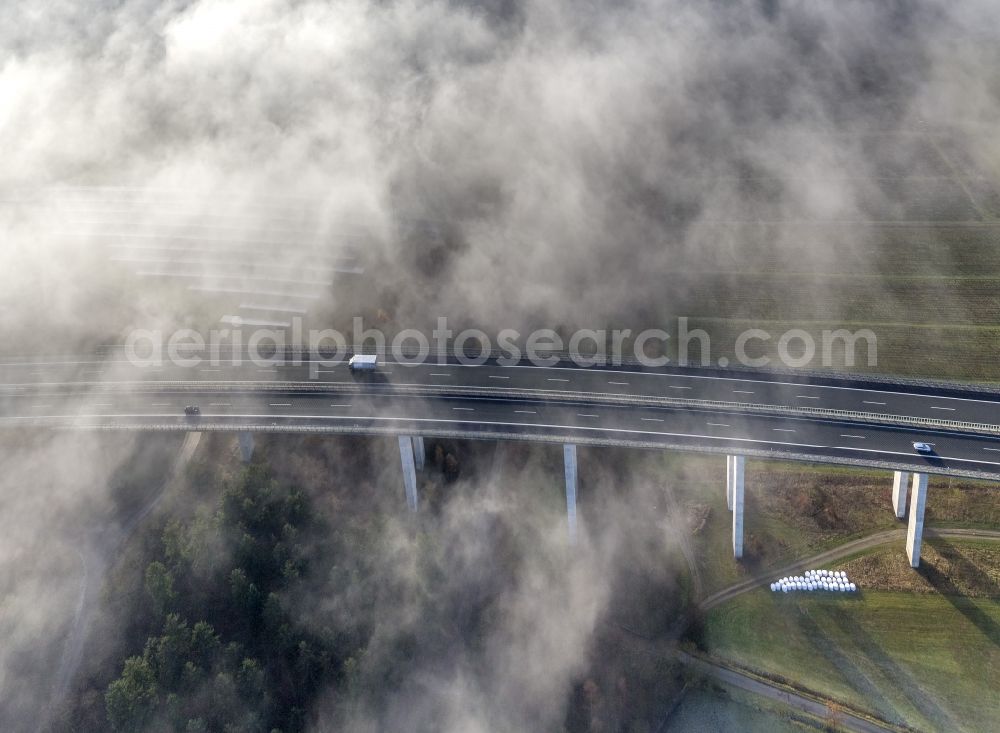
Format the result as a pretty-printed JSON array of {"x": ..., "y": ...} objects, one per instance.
[
  {"x": 494, "y": 376},
  {"x": 911, "y": 455},
  {"x": 102, "y": 404},
  {"x": 869, "y": 402},
  {"x": 949, "y": 409},
  {"x": 651, "y": 419},
  {"x": 544, "y": 425},
  {"x": 339, "y": 405},
  {"x": 92, "y": 371},
  {"x": 439, "y": 374},
  {"x": 742, "y": 391},
  {"x": 280, "y": 404},
  {"x": 722, "y": 425},
  {"x": 552, "y": 379},
  {"x": 995, "y": 450},
  {"x": 526, "y": 412},
  {"x": 466, "y": 409},
  {"x": 622, "y": 384},
  {"x": 271, "y": 371},
  {"x": 630, "y": 431},
  {"x": 584, "y": 414},
  {"x": 239, "y": 362},
  {"x": 859, "y": 437},
  {"x": 783, "y": 430},
  {"x": 738, "y": 380},
  {"x": 674, "y": 386},
  {"x": 806, "y": 397},
  {"x": 40, "y": 407},
  {"x": 209, "y": 370}
]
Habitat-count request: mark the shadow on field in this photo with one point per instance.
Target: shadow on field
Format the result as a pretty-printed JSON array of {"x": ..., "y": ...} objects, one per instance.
[
  {"x": 895, "y": 675},
  {"x": 962, "y": 603},
  {"x": 851, "y": 673}
]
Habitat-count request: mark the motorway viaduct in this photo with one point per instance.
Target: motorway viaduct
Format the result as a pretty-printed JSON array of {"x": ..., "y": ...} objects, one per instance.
[{"x": 852, "y": 421}]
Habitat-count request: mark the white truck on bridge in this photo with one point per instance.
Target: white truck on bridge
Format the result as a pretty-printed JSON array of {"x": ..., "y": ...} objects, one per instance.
[{"x": 363, "y": 363}]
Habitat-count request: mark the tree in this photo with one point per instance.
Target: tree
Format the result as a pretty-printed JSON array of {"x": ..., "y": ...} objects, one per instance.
[
  {"x": 160, "y": 587},
  {"x": 131, "y": 699}
]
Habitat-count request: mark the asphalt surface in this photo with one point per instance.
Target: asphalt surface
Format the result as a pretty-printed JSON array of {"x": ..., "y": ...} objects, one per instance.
[{"x": 560, "y": 403}]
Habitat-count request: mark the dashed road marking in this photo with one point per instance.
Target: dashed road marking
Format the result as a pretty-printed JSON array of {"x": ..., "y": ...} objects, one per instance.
[
  {"x": 859, "y": 437},
  {"x": 718, "y": 425}
]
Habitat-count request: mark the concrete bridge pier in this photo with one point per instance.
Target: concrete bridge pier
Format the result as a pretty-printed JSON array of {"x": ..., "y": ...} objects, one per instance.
[
  {"x": 735, "y": 468},
  {"x": 900, "y": 484},
  {"x": 418, "y": 452},
  {"x": 915, "y": 530},
  {"x": 409, "y": 471},
  {"x": 569, "y": 465},
  {"x": 246, "y": 446},
  {"x": 730, "y": 463}
]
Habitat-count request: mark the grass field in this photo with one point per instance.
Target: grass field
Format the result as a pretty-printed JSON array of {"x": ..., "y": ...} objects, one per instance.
[
  {"x": 796, "y": 510},
  {"x": 711, "y": 709},
  {"x": 966, "y": 568},
  {"x": 927, "y": 660}
]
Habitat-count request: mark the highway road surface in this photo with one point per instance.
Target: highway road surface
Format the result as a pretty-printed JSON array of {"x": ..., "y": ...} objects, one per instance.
[{"x": 642, "y": 407}]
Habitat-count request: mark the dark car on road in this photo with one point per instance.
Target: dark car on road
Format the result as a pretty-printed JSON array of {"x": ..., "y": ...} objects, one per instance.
[{"x": 192, "y": 410}]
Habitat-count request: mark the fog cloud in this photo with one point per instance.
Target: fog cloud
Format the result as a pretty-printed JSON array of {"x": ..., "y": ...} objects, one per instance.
[{"x": 512, "y": 164}]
